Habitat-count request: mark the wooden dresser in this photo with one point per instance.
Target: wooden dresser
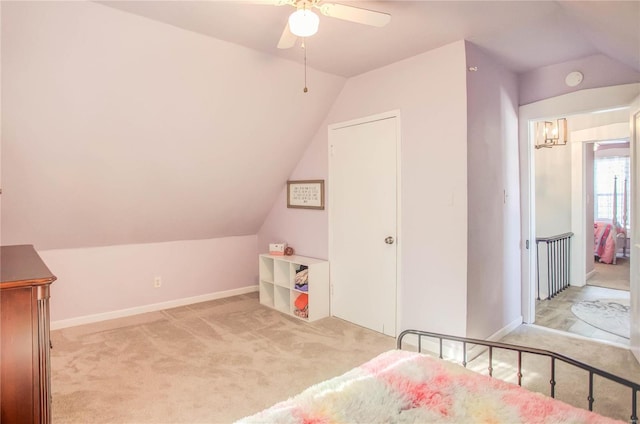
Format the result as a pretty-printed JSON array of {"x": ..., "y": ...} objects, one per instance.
[{"x": 25, "y": 386}]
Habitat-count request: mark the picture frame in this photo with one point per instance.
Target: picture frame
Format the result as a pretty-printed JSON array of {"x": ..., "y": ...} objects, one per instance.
[{"x": 305, "y": 194}]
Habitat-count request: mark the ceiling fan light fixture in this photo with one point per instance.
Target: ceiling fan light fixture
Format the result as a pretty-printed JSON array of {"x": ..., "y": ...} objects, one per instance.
[{"x": 303, "y": 23}]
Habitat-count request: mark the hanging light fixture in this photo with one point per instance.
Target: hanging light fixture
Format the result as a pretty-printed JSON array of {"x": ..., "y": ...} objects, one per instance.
[
  {"x": 551, "y": 133},
  {"x": 303, "y": 22}
]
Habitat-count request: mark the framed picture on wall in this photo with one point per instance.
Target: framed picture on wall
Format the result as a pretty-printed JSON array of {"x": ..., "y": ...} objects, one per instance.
[{"x": 305, "y": 194}]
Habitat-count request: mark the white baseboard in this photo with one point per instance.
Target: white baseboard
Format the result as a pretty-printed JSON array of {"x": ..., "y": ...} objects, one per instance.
[
  {"x": 88, "y": 319},
  {"x": 477, "y": 350},
  {"x": 590, "y": 274},
  {"x": 453, "y": 350},
  {"x": 578, "y": 336},
  {"x": 506, "y": 329},
  {"x": 431, "y": 345}
]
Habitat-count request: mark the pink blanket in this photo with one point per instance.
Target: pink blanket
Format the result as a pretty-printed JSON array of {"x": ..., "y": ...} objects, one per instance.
[
  {"x": 604, "y": 241},
  {"x": 399, "y": 386}
]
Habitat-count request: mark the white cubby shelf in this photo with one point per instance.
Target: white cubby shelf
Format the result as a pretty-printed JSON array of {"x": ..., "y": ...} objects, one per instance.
[{"x": 277, "y": 284}]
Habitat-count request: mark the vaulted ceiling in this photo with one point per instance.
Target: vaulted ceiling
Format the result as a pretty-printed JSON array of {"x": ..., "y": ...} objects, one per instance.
[
  {"x": 118, "y": 128},
  {"x": 524, "y": 34}
]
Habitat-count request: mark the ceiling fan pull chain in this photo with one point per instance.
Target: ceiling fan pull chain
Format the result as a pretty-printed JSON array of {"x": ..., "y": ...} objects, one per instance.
[{"x": 304, "y": 46}]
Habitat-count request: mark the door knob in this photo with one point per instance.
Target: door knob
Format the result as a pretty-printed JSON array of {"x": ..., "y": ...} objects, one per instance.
[{"x": 389, "y": 240}]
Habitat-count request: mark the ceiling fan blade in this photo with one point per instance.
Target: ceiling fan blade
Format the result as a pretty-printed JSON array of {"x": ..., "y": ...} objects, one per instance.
[
  {"x": 287, "y": 39},
  {"x": 267, "y": 2},
  {"x": 355, "y": 14}
]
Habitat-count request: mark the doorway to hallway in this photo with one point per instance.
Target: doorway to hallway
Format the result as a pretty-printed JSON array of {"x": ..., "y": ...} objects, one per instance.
[{"x": 559, "y": 312}]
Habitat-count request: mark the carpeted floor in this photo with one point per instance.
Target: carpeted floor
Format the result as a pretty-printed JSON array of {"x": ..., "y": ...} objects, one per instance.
[
  {"x": 612, "y": 276},
  {"x": 610, "y": 400},
  {"x": 215, "y": 362},
  {"x": 211, "y": 362}
]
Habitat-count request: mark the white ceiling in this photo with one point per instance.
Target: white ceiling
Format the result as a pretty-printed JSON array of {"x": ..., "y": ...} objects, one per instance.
[{"x": 523, "y": 35}]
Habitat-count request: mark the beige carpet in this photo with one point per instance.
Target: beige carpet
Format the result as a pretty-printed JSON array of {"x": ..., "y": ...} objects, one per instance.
[
  {"x": 610, "y": 400},
  {"x": 210, "y": 362},
  {"x": 612, "y": 276},
  {"x": 218, "y": 361}
]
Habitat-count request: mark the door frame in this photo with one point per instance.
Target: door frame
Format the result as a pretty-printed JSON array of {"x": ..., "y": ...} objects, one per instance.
[
  {"x": 583, "y": 101},
  {"x": 634, "y": 259},
  {"x": 358, "y": 121}
]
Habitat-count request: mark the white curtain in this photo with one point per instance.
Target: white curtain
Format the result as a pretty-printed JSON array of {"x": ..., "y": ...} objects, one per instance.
[{"x": 611, "y": 181}]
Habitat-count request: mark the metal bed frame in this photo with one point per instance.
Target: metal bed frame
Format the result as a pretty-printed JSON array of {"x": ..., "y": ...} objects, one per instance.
[{"x": 634, "y": 387}]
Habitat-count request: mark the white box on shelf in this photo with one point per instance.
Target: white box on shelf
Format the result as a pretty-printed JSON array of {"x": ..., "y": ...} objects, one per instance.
[{"x": 277, "y": 248}]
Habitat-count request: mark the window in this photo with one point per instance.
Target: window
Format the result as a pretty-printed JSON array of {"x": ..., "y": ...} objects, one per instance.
[{"x": 607, "y": 172}]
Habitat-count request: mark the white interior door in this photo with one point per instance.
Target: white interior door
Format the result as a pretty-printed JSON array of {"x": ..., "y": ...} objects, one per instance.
[
  {"x": 635, "y": 230},
  {"x": 363, "y": 222}
]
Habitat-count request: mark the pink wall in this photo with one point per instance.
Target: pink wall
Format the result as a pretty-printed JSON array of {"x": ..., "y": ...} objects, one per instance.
[
  {"x": 102, "y": 280},
  {"x": 598, "y": 71},
  {"x": 493, "y": 299},
  {"x": 306, "y": 230},
  {"x": 432, "y": 91},
  {"x": 429, "y": 90},
  {"x": 133, "y": 149},
  {"x": 135, "y": 131}
]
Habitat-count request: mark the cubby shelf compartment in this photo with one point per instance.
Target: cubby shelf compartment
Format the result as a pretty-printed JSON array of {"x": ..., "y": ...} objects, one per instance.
[
  {"x": 277, "y": 284},
  {"x": 266, "y": 269},
  {"x": 266, "y": 293}
]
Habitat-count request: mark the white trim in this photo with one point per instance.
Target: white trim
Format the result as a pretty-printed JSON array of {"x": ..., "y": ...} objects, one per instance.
[
  {"x": 578, "y": 242},
  {"x": 619, "y": 131},
  {"x": 398, "y": 221},
  {"x": 104, "y": 316},
  {"x": 500, "y": 334},
  {"x": 453, "y": 349},
  {"x": 371, "y": 118},
  {"x": 634, "y": 254},
  {"x": 589, "y": 275},
  {"x": 476, "y": 350},
  {"x": 578, "y": 336}
]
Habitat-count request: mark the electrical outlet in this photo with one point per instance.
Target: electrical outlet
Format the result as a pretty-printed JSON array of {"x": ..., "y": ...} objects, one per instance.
[{"x": 157, "y": 282}]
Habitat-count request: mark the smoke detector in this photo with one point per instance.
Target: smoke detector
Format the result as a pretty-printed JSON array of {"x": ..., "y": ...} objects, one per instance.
[{"x": 573, "y": 78}]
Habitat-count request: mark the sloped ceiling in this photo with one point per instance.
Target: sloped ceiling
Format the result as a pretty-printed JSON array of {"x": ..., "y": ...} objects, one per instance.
[
  {"x": 525, "y": 35},
  {"x": 117, "y": 129}
]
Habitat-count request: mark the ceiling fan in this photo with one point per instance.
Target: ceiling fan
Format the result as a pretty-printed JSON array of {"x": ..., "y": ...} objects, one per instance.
[{"x": 304, "y": 22}]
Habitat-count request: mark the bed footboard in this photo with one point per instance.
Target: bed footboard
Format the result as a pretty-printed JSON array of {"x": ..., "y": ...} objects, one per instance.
[{"x": 553, "y": 357}]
